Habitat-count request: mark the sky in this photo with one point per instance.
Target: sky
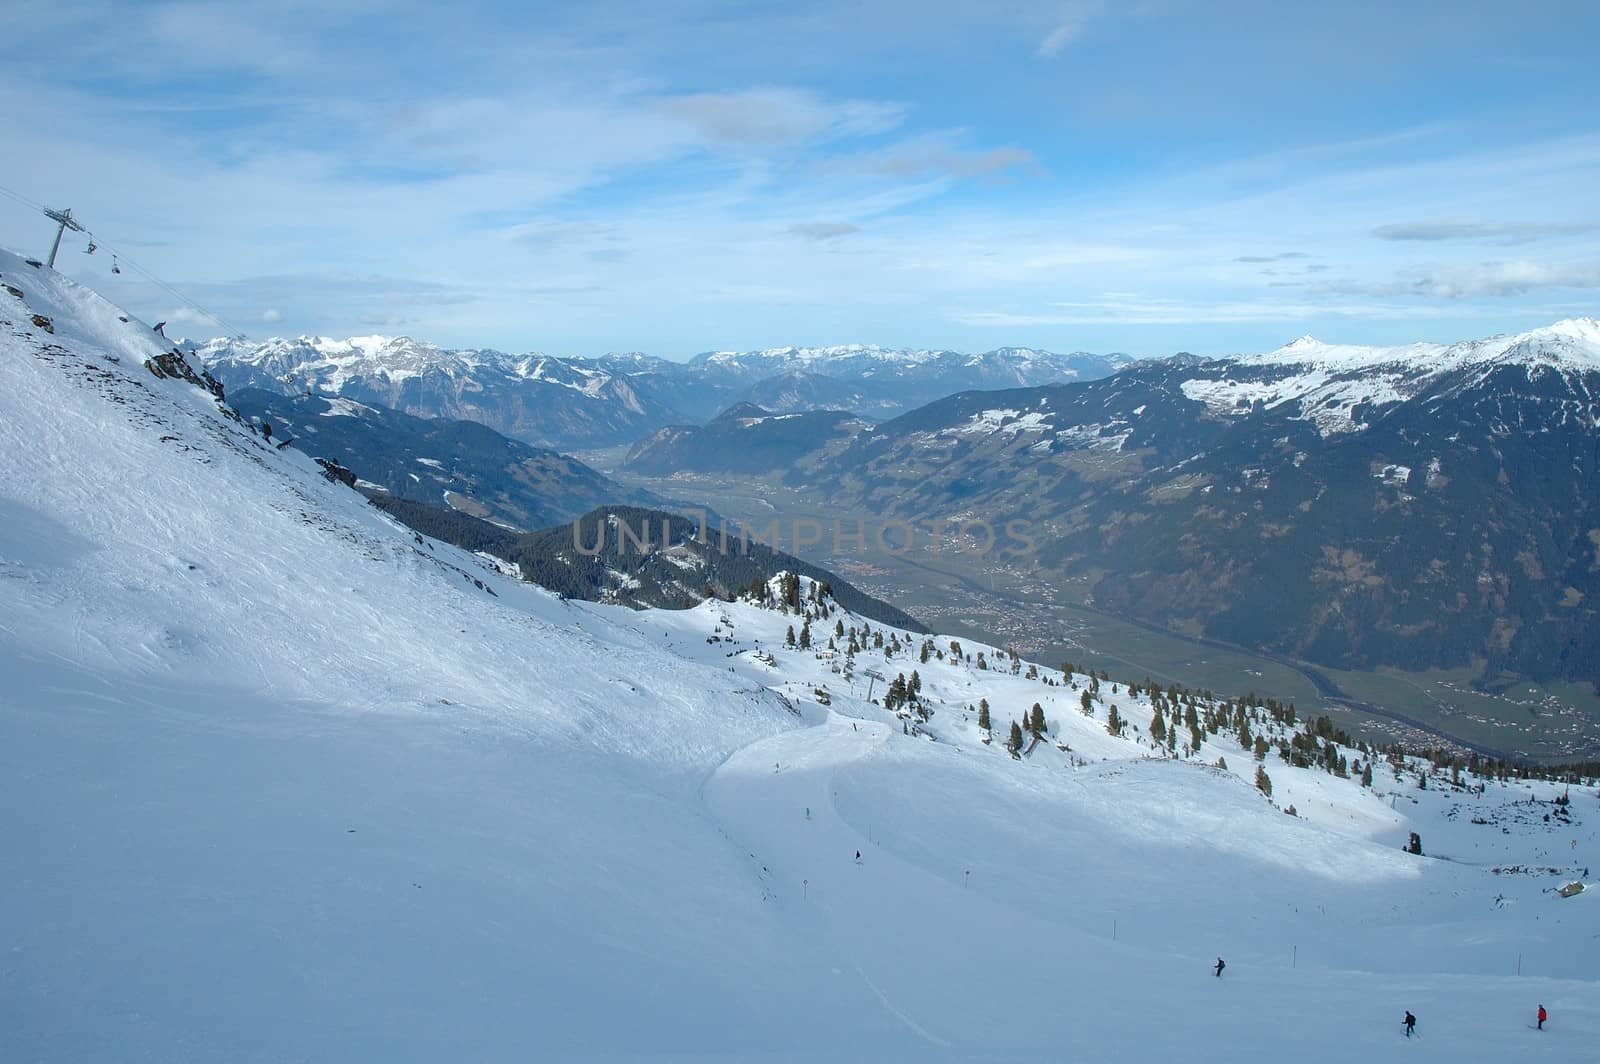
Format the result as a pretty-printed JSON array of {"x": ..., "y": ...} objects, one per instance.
[{"x": 577, "y": 178}]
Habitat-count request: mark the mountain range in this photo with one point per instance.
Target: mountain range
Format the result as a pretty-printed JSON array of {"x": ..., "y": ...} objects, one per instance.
[
  {"x": 1426, "y": 506},
  {"x": 570, "y": 403}
]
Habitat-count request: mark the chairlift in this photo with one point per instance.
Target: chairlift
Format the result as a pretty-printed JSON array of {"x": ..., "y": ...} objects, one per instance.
[
  {"x": 90, "y": 249},
  {"x": 114, "y": 267}
]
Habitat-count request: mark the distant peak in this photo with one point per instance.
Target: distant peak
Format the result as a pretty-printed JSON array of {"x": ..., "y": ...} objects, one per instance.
[{"x": 742, "y": 410}]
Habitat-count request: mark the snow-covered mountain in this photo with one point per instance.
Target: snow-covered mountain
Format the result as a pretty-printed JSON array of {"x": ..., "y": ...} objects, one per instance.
[
  {"x": 1340, "y": 386},
  {"x": 580, "y": 402},
  {"x": 548, "y": 402},
  {"x": 1422, "y": 507},
  {"x": 284, "y": 781},
  {"x": 885, "y": 381}
]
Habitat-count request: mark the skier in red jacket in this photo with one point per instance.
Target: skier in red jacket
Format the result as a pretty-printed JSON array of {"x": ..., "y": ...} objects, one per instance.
[{"x": 1542, "y": 1017}]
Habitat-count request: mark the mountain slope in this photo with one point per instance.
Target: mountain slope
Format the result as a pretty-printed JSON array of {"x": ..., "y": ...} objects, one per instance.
[
  {"x": 746, "y": 439},
  {"x": 1423, "y": 507},
  {"x": 439, "y": 461}
]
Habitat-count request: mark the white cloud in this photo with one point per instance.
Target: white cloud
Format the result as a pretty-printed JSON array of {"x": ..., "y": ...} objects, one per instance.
[
  {"x": 1493, "y": 232},
  {"x": 823, "y": 230},
  {"x": 1069, "y": 27},
  {"x": 1488, "y": 279},
  {"x": 778, "y": 116}
]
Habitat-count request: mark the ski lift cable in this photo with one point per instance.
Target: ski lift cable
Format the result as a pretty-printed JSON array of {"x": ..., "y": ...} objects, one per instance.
[
  {"x": 123, "y": 258},
  {"x": 20, "y": 198}
]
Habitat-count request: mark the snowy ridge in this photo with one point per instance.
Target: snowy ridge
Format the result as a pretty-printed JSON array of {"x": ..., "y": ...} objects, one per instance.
[
  {"x": 301, "y": 785},
  {"x": 1573, "y": 343},
  {"x": 1333, "y": 382}
]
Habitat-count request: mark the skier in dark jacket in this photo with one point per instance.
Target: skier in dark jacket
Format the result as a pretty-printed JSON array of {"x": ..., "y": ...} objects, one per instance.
[
  {"x": 1220, "y": 966},
  {"x": 1411, "y": 1023},
  {"x": 1542, "y": 1017}
]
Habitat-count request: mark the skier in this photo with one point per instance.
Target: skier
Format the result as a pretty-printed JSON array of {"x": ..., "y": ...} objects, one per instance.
[
  {"x": 1220, "y": 966},
  {"x": 1411, "y": 1023},
  {"x": 1543, "y": 1015}
]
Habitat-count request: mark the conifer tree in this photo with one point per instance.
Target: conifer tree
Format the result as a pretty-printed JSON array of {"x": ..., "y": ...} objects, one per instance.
[
  {"x": 1087, "y": 702},
  {"x": 1158, "y": 728},
  {"x": 983, "y": 714},
  {"x": 788, "y": 639},
  {"x": 805, "y": 636},
  {"x": 1263, "y": 781},
  {"x": 1114, "y": 722},
  {"x": 1036, "y": 723},
  {"x": 1014, "y": 743},
  {"x": 1366, "y": 774}
]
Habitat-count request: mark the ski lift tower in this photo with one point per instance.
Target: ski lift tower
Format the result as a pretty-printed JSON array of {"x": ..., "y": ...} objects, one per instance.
[{"x": 67, "y": 221}]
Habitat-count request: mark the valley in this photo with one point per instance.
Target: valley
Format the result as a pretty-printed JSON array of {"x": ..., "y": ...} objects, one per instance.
[{"x": 1044, "y": 616}]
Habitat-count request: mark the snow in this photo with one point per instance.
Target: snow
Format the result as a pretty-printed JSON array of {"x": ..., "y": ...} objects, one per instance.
[
  {"x": 1332, "y": 382},
  {"x": 1573, "y": 342},
  {"x": 282, "y": 783},
  {"x": 1004, "y": 422},
  {"x": 341, "y": 407}
]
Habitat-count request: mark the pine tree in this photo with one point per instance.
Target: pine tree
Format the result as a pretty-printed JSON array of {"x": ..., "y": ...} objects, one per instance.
[
  {"x": 1158, "y": 728},
  {"x": 1014, "y": 743},
  {"x": 1114, "y": 722},
  {"x": 1366, "y": 774},
  {"x": 788, "y": 639},
  {"x": 1263, "y": 781},
  {"x": 805, "y": 636},
  {"x": 1036, "y": 722},
  {"x": 983, "y": 714},
  {"x": 1087, "y": 702}
]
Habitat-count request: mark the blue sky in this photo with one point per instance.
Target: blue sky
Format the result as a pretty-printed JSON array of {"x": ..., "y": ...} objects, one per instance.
[{"x": 1144, "y": 177}]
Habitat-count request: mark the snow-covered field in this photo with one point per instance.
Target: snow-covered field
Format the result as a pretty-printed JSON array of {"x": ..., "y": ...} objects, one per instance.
[{"x": 282, "y": 781}]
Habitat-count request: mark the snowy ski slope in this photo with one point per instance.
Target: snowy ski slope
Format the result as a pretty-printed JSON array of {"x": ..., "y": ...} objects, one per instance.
[{"x": 282, "y": 781}]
